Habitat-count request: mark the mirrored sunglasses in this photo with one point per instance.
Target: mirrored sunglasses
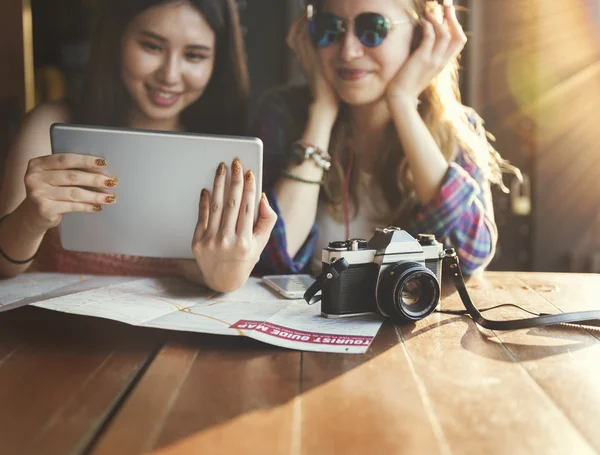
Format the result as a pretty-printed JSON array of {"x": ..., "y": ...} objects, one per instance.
[{"x": 370, "y": 28}]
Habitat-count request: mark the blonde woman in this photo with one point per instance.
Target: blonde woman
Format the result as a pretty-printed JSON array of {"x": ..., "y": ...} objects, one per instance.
[{"x": 378, "y": 137}]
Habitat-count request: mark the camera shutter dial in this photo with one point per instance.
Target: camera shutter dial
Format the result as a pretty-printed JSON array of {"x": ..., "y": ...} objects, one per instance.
[
  {"x": 338, "y": 246},
  {"x": 357, "y": 244}
]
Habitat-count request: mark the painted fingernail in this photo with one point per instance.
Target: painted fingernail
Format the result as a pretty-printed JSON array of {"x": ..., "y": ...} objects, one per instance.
[
  {"x": 221, "y": 169},
  {"x": 264, "y": 196},
  {"x": 111, "y": 183},
  {"x": 110, "y": 199},
  {"x": 97, "y": 208},
  {"x": 204, "y": 193},
  {"x": 100, "y": 163},
  {"x": 249, "y": 177},
  {"x": 236, "y": 167},
  {"x": 448, "y": 2}
]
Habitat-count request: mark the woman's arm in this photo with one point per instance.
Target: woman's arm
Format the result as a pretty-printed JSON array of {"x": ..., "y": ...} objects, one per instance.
[
  {"x": 461, "y": 214},
  {"x": 455, "y": 197},
  {"x": 20, "y": 232},
  {"x": 278, "y": 121},
  {"x": 298, "y": 201},
  {"x": 425, "y": 159},
  {"x": 443, "y": 39}
]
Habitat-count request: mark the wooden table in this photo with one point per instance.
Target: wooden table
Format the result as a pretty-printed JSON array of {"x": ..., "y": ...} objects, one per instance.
[{"x": 72, "y": 385}]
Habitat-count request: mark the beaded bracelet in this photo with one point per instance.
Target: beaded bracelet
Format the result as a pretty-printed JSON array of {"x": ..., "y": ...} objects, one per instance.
[
  {"x": 305, "y": 151},
  {"x": 8, "y": 258},
  {"x": 326, "y": 156},
  {"x": 301, "y": 179}
]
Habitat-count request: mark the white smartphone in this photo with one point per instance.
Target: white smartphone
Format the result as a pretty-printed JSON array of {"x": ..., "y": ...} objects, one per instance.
[{"x": 289, "y": 286}]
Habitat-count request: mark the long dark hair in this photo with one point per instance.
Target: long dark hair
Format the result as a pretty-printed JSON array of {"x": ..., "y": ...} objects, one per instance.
[{"x": 222, "y": 109}]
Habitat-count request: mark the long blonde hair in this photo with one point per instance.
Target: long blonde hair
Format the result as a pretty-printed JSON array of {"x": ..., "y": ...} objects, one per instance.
[{"x": 449, "y": 122}]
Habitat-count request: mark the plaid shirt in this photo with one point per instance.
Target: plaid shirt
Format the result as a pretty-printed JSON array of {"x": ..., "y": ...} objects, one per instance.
[{"x": 460, "y": 215}]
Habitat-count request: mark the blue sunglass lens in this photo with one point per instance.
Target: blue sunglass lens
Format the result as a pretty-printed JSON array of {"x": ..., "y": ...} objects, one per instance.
[
  {"x": 370, "y": 39},
  {"x": 371, "y": 29},
  {"x": 324, "y": 29}
]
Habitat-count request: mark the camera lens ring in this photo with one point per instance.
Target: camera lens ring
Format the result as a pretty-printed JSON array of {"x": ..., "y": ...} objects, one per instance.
[{"x": 408, "y": 291}]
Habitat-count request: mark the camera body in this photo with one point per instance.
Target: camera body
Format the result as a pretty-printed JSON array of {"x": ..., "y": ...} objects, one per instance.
[{"x": 393, "y": 274}]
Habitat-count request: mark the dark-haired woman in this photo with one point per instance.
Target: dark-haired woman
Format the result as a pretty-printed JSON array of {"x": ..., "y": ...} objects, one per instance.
[{"x": 174, "y": 65}]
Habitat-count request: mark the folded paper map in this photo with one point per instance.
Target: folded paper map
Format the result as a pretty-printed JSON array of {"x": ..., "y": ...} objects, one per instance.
[{"x": 172, "y": 303}]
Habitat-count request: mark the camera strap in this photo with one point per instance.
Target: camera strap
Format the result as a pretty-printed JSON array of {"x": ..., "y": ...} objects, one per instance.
[
  {"x": 333, "y": 271},
  {"x": 330, "y": 272}
]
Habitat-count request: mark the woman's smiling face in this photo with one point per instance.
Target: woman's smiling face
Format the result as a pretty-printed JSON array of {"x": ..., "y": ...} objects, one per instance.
[
  {"x": 360, "y": 74},
  {"x": 168, "y": 54}
]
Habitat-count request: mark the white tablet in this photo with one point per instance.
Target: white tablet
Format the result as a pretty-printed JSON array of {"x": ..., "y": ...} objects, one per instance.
[{"x": 161, "y": 175}]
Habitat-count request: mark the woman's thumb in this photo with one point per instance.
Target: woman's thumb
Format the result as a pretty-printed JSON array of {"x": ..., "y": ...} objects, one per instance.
[{"x": 266, "y": 220}]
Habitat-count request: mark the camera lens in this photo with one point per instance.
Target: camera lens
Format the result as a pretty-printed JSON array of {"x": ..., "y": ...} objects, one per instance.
[
  {"x": 407, "y": 291},
  {"x": 412, "y": 293}
]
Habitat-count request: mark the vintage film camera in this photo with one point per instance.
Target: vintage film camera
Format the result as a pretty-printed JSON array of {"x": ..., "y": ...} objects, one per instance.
[
  {"x": 398, "y": 276},
  {"x": 392, "y": 274}
]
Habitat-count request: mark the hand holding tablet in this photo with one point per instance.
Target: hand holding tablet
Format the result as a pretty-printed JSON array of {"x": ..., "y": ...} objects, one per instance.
[
  {"x": 227, "y": 243},
  {"x": 162, "y": 194},
  {"x": 59, "y": 184}
]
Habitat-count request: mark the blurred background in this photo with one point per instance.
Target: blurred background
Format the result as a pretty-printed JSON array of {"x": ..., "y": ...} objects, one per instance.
[{"x": 531, "y": 69}]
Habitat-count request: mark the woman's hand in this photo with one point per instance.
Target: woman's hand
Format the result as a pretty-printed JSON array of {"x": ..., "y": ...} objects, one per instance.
[
  {"x": 442, "y": 42},
  {"x": 63, "y": 183},
  {"x": 227, "y": 244},
  {"x": 300, "y": 43}
]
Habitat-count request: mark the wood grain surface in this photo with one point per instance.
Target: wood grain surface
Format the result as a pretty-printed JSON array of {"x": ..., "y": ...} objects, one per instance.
[
  {"x": 62, "y": 377},
  {"x": 443, "y": 385}
]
